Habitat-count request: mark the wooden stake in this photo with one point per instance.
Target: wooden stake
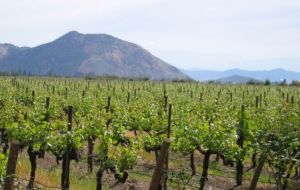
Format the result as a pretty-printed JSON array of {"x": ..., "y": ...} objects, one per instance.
[
  {"x": 156, "y": 178},
  {"x": 11, "y": 165}
]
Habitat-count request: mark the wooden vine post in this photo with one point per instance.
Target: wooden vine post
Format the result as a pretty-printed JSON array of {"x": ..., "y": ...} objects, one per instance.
[
  {"x": 128, "y": 97},
  {"x": 90, "y": 154},
  {"x": 11, "y": 165},
  {"x": 253, "y": 157},
  {"x": 33, "y": 95},
  {"x": 240, "y": 143},
  {"x": 257, "y": 172},
  {"x": 108, "y": 122},
  {"x": 65, "y": 177},
  {"x": 256, "y": 102},
  {"x": 47, "y": 106},
  {"x": 156, "y": 178},
  {"x": 165, "y": 174}
]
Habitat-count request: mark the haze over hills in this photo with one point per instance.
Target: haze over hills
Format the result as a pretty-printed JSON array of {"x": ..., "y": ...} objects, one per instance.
[
  {"x": 274, "y": 75},
  {"x": 76, "y": 54}
]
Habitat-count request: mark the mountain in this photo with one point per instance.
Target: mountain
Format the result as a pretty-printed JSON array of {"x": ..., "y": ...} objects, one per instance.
[
  {"x": 7, "y": 50},
  {"x": 235, "y": 79},
  {"x": 274, "y": 75},
  {"x": 76, "y": 54}
]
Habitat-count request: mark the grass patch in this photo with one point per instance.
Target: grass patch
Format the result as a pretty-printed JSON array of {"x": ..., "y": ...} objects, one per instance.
[{"x": 52, "y": 177}]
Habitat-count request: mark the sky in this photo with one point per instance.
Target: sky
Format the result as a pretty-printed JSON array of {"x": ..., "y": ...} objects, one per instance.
[{"x": 189, "y": 34}]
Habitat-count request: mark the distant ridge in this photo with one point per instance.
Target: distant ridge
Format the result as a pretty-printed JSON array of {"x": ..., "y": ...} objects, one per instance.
[
  {"x": 274, "y": 75},
  {"x": 236, "y": 79},
  {"x": 76, "y": 54}
]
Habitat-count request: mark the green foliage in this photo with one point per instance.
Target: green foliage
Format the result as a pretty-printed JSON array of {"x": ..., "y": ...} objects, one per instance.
[
  {"x": 3, "y": 162},
  {"x": 204, "y": 117}
]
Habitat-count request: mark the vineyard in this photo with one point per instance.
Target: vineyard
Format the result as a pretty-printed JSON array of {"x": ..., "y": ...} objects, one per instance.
[{"x": 122, "y": 134}]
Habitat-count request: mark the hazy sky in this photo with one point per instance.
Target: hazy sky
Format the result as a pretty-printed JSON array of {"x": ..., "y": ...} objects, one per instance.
[{"x": 205, "y": 34}]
